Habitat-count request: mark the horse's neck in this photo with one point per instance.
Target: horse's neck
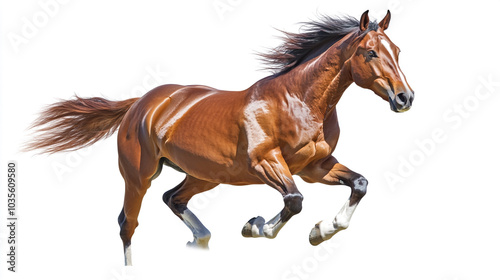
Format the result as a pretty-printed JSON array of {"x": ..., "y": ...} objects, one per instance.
[{"x": 321, "y": 81}]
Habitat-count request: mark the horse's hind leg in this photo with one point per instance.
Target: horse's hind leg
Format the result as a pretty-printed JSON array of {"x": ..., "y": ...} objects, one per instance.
[
  {"x": 177, "y": 199},
  {"x": 138, "y": 169},
  {"x": 128, "y": 217}
]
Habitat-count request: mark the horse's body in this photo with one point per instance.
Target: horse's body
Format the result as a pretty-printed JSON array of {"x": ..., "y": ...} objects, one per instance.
[
  {"x": 283, "y": 125},
  {"x": 225, "y": 127}
]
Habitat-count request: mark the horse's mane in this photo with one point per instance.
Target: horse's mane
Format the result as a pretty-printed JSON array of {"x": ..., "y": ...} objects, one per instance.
[{"x": 314, "y": 35}]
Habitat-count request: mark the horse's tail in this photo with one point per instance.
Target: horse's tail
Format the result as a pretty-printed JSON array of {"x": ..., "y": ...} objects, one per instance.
[{"x": 77, "y": 123}]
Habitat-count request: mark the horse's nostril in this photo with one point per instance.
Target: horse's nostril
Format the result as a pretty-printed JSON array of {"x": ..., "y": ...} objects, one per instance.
[{"x": 401, "y": 98}]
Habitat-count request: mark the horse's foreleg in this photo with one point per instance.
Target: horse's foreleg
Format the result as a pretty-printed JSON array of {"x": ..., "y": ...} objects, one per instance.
[
  {"x": 274, "y": 172},
  {"x": 330, "y": 171},
  {"x": 177, "y": 200}
]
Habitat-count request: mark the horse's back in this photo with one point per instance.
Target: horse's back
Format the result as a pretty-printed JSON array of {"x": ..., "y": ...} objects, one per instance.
[{"x": 164, "y": 105}]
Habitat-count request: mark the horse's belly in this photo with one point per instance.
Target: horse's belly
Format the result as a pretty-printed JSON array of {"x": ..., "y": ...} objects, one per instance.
[{"x": 217, "y": 169}]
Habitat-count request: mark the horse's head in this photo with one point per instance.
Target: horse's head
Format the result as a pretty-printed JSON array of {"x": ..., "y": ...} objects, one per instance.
[{"x": 375, "y": 65}]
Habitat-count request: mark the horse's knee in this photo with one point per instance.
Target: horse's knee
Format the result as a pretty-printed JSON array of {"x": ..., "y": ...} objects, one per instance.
[
  {"x": 359, "y": 187},
  {"x": 293, "y": 203}
]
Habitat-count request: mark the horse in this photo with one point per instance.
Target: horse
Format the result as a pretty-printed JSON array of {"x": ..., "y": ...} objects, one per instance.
[{"x": 283, "y": 125}]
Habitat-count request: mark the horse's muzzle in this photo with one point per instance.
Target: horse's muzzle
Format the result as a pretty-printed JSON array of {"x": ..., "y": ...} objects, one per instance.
[{"x": 402, "y": 101}]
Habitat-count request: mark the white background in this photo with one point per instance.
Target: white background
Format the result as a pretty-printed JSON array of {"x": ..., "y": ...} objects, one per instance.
[{"x": 440, "y": 221}]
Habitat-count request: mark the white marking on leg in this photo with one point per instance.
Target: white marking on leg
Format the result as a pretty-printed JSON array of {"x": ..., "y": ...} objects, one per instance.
[
  {"x": 341, "y": 221},
  {"x": 327, "y": 230},
  {"x": 343, "y": 218},
  {"x": 273, "y": 226},
  {"x": 128, "y": 255},
  {"x": 257, "y": 226},
  {"x": 200, "y": 232}
]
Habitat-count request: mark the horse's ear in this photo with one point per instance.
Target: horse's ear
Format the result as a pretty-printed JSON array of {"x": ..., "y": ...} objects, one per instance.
[
  {"x": 364, "y": 21},
  {"x": 384, "y": 24}
]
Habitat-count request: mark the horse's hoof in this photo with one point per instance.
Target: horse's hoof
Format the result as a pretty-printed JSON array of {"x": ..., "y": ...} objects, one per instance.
[
  {"x": 315, "y": 236},
  {"x": 200, "y": 242},
  {"x": 196, "y": 245},
  {"x": 191, "y": 244},
  {"x": 253, "y": 227}
]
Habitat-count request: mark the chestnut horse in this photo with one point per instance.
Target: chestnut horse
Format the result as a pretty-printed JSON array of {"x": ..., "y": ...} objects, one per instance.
[{"x": 283, "y": 125}]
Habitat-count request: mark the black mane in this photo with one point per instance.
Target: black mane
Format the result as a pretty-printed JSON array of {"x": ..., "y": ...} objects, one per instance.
[{"x": 298, "y": 48}]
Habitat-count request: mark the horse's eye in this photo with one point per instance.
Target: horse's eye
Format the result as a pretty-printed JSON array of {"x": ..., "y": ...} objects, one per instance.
[{"x": 372, "y": 54}]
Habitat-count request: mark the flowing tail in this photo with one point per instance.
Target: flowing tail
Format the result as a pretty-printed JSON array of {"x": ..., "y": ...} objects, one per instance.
[{"x": 73, "y": 124}]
